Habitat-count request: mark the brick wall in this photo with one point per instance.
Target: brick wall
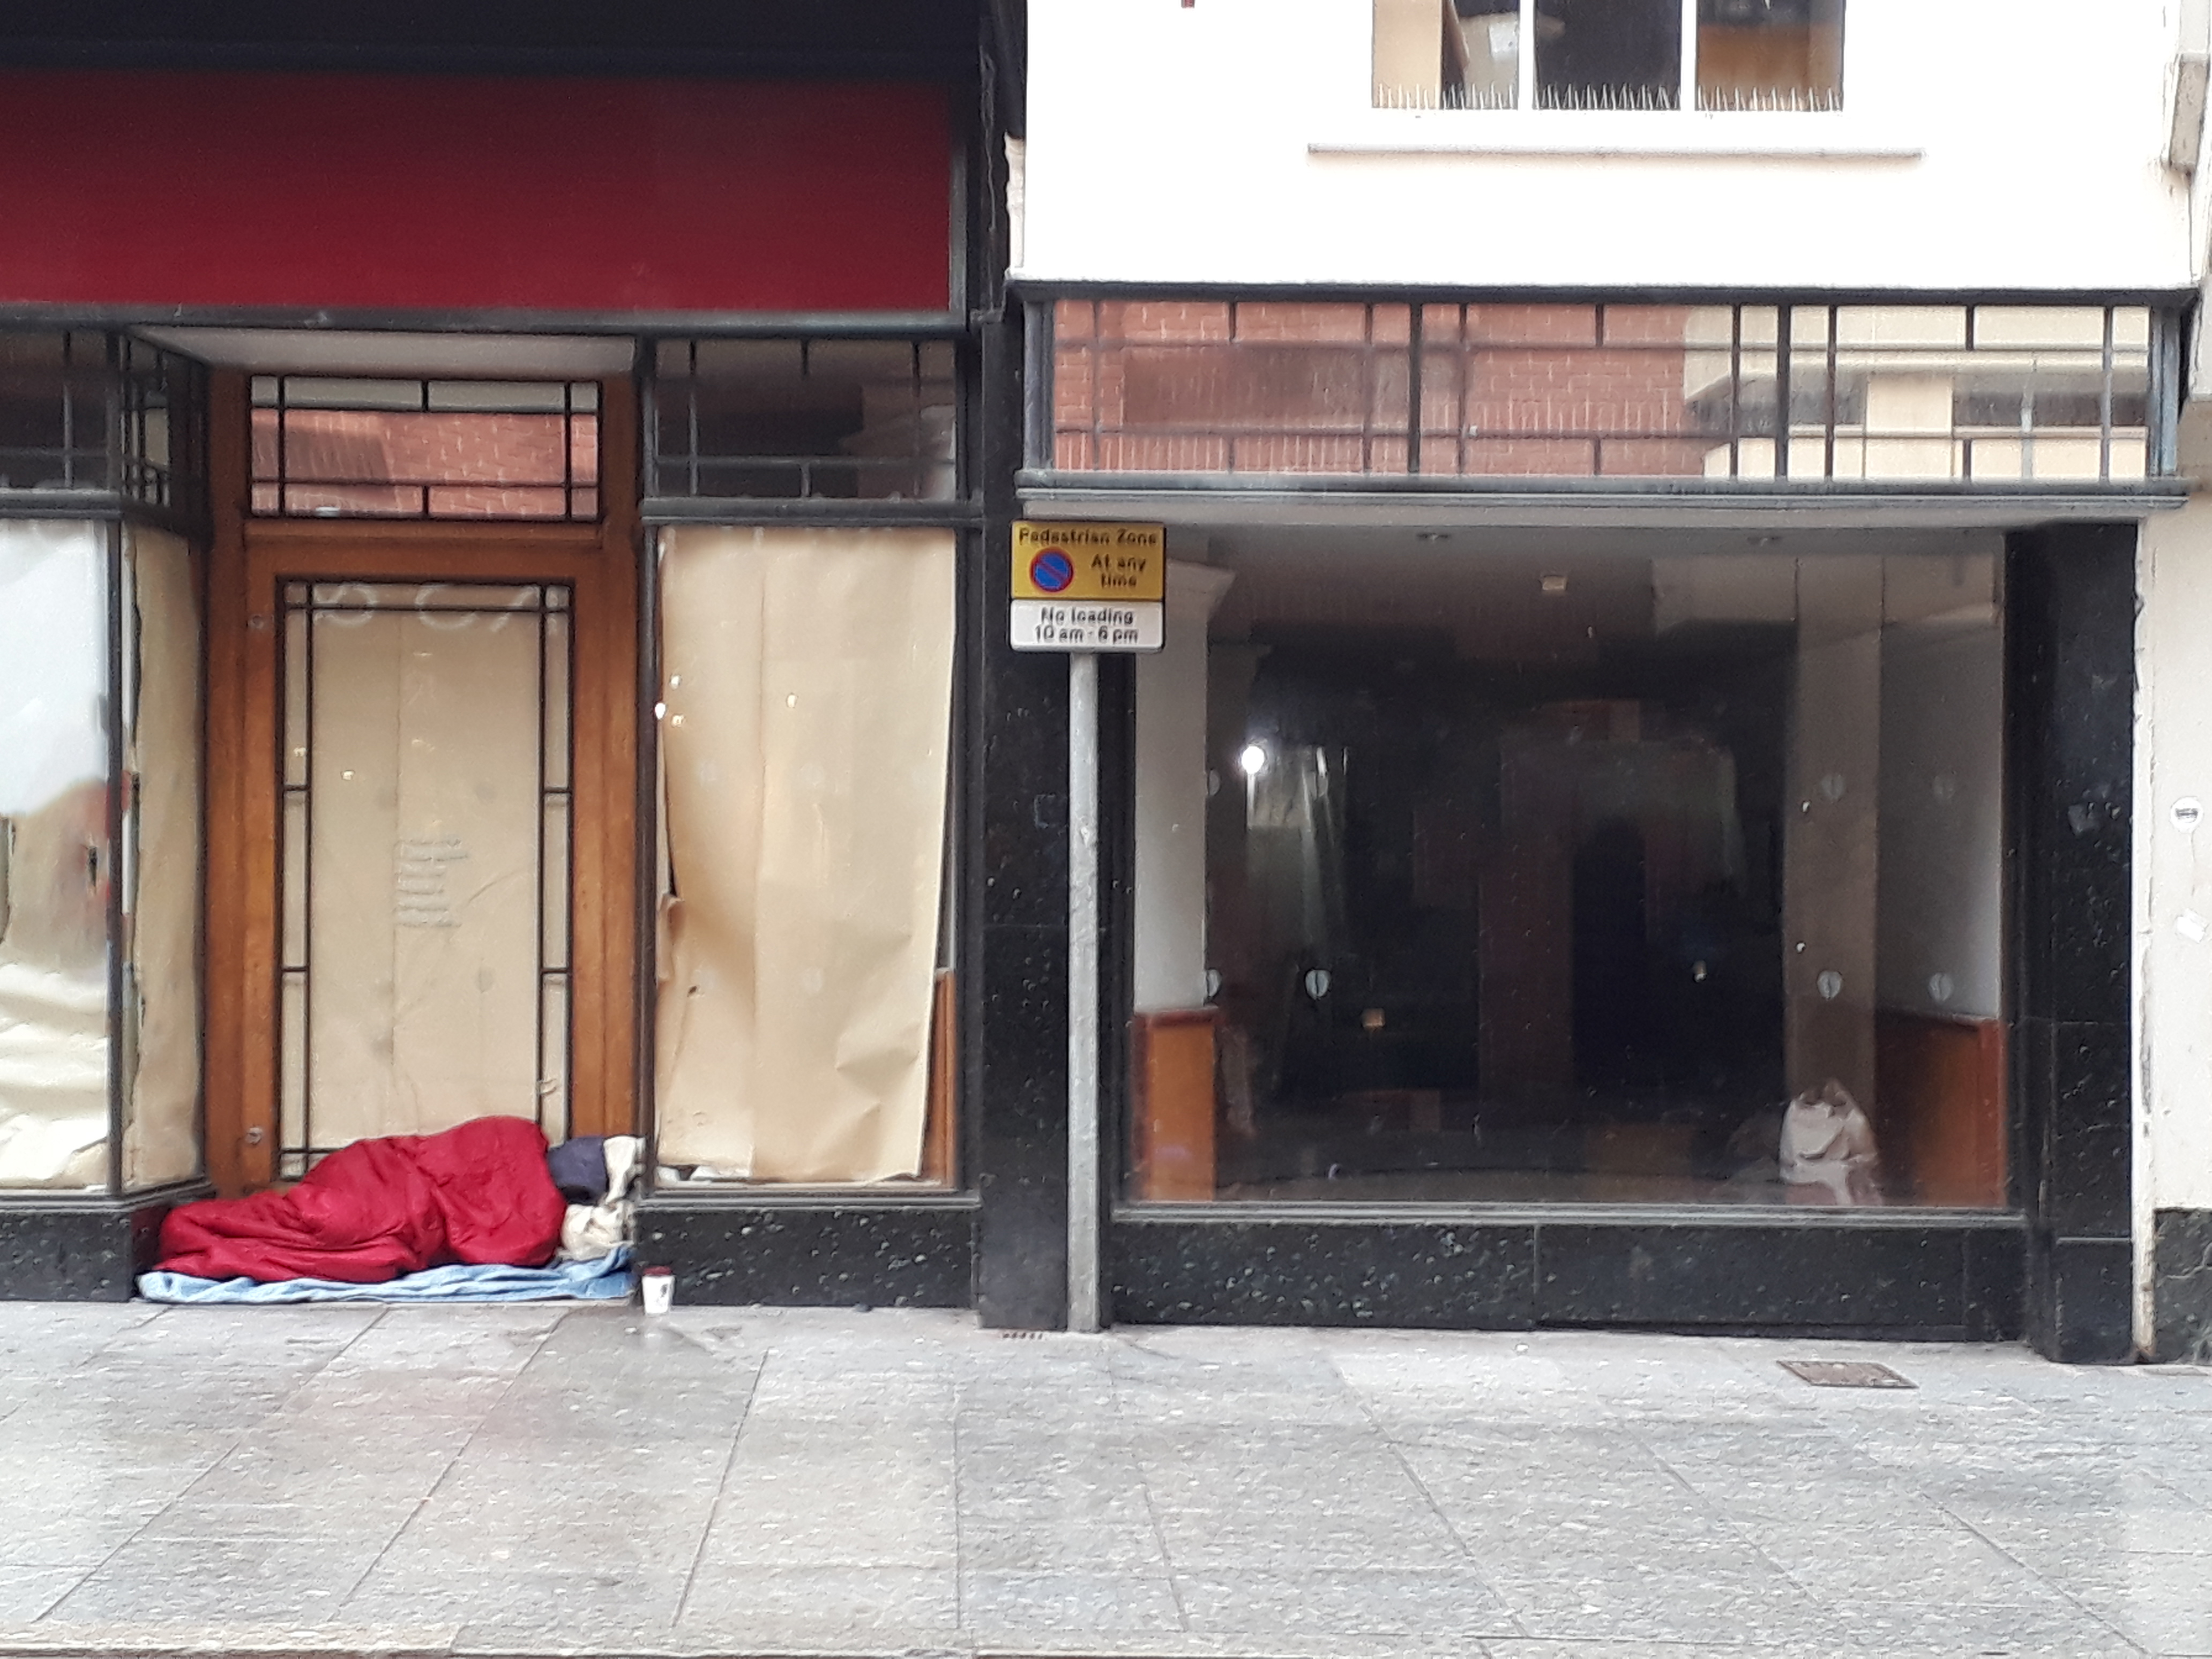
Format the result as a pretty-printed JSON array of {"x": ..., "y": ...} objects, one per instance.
[
  {"x": 445, "y": 465},
  {"x": 1324, "y": 386}
]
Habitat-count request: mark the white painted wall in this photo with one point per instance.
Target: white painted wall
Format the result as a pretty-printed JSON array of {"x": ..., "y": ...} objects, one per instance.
[
  {"x": 1942, "y": 815},
  {"x": 2173, "y": 873},
  {"x": 1990, "y": 144},
  {"x": 2173, "y": 863}
]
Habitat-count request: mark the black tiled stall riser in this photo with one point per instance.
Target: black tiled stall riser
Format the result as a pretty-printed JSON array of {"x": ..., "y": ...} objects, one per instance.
[
  {"x": 1879, "y": 1277},
  {"x": 1442, "y": 1275},
  {"x": 88, "y": 1251},
  {"x": 913, "y": 1255},
  {"x": 1957, "y": 1280}
]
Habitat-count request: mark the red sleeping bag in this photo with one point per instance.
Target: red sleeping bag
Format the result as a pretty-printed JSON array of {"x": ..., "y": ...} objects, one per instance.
[{"x": 478, "y": 1193}]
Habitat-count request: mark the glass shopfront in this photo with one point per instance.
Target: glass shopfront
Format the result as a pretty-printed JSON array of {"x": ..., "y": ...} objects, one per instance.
[
  {"x": 1573, "y": 869},
  {"x": 1608, "y": 864},
  {"x": 1615, "y": 833}
]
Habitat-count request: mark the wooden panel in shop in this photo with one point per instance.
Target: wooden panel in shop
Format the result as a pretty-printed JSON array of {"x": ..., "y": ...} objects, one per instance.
[
  {"x": 1939, "y": 1116},
  {"x": 252, "y": 559},
  {"x": 1173, "y": 1103}
]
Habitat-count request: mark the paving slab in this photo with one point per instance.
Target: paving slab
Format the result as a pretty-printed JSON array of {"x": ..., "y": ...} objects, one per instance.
[{"x": 470, "y": 1483}]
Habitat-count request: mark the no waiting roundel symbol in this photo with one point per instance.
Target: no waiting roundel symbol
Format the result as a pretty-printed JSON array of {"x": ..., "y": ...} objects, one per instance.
[{"x": 1052, "y": 570}]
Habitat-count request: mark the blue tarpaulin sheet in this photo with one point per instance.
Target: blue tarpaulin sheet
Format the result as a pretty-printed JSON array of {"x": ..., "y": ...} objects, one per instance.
[{"x": 606, "y": 1279}]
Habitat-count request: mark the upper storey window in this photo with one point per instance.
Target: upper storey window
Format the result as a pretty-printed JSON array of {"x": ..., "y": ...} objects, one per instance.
[
  {"x": 1766, "y": 396},
  {"x": 1609, "y": 54}
]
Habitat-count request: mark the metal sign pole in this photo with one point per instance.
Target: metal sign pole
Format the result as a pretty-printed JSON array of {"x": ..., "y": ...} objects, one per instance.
[
  {"x": 1083, "y": 1194},
  {"x": 1083, "y": 588}
]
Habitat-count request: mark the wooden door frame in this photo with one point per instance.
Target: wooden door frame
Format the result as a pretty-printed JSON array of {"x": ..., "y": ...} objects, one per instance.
[{"x": 248, "y": 559}]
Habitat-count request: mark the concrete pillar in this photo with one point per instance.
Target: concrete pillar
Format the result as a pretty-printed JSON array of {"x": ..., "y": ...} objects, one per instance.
[
  {"x": 2172, "y": 1148},
  {"x": 1172, "y": 768},
  {"x": 2071, "y": 615},
  {"x": 1831, "y": 825}
]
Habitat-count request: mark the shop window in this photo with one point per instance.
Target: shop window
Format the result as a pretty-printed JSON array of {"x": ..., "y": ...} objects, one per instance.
[
  {"x": 100, "y": 764},
  {"x": 158, "y": 871},
  {"x": 1608, "y": 54},
  {"x": 1618, "y": 875},
  {"x": 357, "y": 448},
  {"x": 806, "y": 419},
  {"x": 1769, "y": 394},
  {"x": 805, "y": 991},
  {"x": 57, "y": 857}
]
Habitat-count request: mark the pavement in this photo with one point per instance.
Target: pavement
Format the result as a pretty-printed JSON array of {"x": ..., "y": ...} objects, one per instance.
[{"x": 569, "y": 1478}]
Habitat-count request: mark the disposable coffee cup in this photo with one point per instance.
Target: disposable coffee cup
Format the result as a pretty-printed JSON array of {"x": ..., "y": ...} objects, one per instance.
[{"x": 657, "y": 1286}]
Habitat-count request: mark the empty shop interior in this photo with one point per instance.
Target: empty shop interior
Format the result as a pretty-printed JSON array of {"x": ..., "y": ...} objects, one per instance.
[
  {"x": 1616, "y": 867},
  {"x": 1565, "y": 879}
]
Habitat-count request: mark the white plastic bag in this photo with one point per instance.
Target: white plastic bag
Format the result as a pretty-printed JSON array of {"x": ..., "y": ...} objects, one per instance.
[{"x": 1827, "y": 1151}]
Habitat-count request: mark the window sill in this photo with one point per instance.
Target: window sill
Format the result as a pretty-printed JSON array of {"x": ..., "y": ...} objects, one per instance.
[{"x": 1665, "y": 134}]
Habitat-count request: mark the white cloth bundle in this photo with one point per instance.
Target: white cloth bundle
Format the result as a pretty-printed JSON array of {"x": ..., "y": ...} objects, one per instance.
[
  {"x": 590, "y": 1231},
  {"x": 1827, "y": 1147}
]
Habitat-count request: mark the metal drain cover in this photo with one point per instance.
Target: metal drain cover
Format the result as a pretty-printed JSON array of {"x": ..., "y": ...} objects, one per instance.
[{"x": 1845, "y": 1374}]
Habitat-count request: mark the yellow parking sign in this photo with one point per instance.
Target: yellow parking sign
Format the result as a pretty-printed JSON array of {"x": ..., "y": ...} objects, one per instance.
[{"x": 1127, "y": 562}]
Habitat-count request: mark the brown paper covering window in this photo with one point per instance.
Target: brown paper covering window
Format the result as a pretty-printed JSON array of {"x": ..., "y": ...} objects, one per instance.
[
  {"x": 161, "y": 1137},
  {"x": 807, "y": 692}
]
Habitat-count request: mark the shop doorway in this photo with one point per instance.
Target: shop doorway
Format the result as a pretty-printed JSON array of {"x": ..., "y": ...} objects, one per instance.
[{"x": 421, "y": 742}]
